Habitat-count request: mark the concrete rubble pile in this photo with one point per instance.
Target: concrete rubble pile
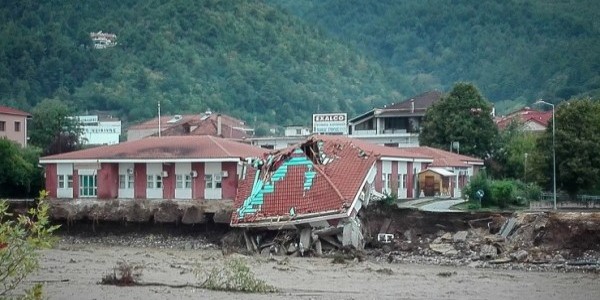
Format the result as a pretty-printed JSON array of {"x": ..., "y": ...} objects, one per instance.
[{"x": 524, "y": 238}]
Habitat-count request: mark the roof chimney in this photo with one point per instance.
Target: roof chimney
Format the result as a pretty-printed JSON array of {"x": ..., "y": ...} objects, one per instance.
[
  {"x": 219, "y": 124},
  {"x": 412, "y": 106}
]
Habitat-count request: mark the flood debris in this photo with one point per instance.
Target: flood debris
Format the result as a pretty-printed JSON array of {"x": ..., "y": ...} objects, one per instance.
[
  {"x": 310, "y": 197},
  {"x": 520, "y": 240}
]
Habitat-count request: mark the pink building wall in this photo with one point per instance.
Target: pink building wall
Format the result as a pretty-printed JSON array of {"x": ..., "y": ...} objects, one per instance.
[
  {"x": 198, "y": 182},
  {"x": 169, "y": 181},
  {"x": 229, "y": 184},
  {"x": 9, "y": 128},
  {"x": 51, "y": 180},
  {"x": 139, "y": 185},
  {"x": 108, "y": 181}
]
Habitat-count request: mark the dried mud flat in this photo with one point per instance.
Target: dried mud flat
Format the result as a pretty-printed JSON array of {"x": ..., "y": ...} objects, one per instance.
[{"x": 72, "y": 271}]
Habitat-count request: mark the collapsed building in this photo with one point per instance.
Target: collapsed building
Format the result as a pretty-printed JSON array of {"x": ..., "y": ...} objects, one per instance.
[{"x": 317, "y": 187}]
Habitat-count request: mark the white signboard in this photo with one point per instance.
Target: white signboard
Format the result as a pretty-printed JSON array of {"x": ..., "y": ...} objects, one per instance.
[
  {"x": 335, "y": 123},
  {"x": 87, "y": 119}
]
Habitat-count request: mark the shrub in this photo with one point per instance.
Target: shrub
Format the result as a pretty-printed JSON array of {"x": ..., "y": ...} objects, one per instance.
[
  {"x": 479, "y": 182},
  {"x": 234, "y": 276},
  {"x": 20, "y": 237},
  {"x": 128, "y": 275},
  {"x": 390, "y": 199},
  {"x": 503, "y": 192}
]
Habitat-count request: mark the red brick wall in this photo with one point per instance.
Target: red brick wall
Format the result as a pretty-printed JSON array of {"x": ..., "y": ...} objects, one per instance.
[
  {"x": 51, "y": 180},
  {"x": 394, "y": 183},
  {"x": 229, "y": 184},
  {"x": 108, "y": 181},
  {"x": 139, "y": 185},
  {"x": 75, "y": 184},
  {"x": 198, "y": 182},
  {"x": 409, "y": 180},
  {"x": 378, "y": 181},
  {"x": 169, "y": 181}
]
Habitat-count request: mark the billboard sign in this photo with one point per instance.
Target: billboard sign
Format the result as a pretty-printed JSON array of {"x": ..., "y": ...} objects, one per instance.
[{"x": 334, "y": 123}]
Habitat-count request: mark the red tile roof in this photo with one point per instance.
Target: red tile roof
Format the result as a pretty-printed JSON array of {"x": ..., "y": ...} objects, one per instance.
[
  {"x": 379, "y": 150},
  {"x": 296, "y": 194},
  {"x": 525, "y": 115},
  {"x": 443, "y": 158},
  {"x": 422, "y": 101},
  {"x": 197, "y": 125},
  {"x": 11, "y": 111},
  {"x": 171, "y": 147},
  {"x": 164, "y": 122}
]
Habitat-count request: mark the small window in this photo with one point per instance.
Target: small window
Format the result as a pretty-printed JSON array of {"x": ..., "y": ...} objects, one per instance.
[
  {"x": 2, "y": 126},
  {"x": 158, "y": 182},
  {"x": 218, "y": 180},
  {"x": 188, "y": 181},
  {"x": 61, "y": 181},
  {"x": 179, "y": 181},
  {"x": 208, "y": 181},
  {"x": 17, "y": 126},
  {"x": 122, "y": 180},
  {"x": 129, "y": 181},
  {"x": 400, "y": 184},
  {"x": 70, "y": 181},
  {"x": 150, "y": 181},
  {"x": 404, "y": 178}
]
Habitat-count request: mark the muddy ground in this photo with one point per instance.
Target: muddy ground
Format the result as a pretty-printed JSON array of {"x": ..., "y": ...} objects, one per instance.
[
  {"x": 432, "y": 256},
  {"x": 72, "y": 271}
]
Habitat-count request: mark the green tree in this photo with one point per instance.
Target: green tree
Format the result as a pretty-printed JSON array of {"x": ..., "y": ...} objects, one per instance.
[
  {"x": 515, "y": 148},
  {"x": 462, "y": 116},
  {"x": 577, "y": 147},
  {"x": 19, "y": 174},
  {"x": 52, "y": 128},
  {"x": 20, "y": 238}
]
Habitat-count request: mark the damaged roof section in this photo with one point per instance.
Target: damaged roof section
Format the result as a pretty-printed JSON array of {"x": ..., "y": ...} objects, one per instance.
[{"x": 320, "y": 179}]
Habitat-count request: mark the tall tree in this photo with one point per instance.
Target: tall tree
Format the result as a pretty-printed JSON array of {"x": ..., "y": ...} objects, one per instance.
[
  {"x": 53, "y": 129},
  {"x": 462, "y": 116},
  {"x": 577, "y": 147},
  {"x": 515, "y": 148},
  {"x": 19, "y": 174}
]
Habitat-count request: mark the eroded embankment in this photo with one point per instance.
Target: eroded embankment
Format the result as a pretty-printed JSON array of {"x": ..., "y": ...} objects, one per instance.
[{"x": 479, "y": 239}]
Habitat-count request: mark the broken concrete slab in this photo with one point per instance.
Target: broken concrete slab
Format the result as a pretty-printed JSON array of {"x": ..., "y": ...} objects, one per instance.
[
  {"x": 460, "y": 237},
  {"x": 519, "y": 256},
  {"x": 508, "y": 227},
  {"x": 305, "y": 237},
  {"x": 488, "y": 252},
  {"x": 445, "y": 249}
]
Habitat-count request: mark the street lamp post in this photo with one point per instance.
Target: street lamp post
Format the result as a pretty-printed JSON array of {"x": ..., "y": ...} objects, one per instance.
[{"x": 553, "y": 148}]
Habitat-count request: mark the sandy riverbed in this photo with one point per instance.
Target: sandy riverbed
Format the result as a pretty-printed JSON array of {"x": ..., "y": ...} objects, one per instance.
[{"x": 72, "y": 272}]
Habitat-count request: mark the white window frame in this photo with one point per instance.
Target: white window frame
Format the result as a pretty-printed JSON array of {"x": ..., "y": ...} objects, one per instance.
[{"x": 83, "y": 190}]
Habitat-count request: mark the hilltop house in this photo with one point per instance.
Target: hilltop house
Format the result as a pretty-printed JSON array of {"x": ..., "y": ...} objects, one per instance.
[
  {"x": 13, "y": 125},
  {"x": 396, "y": 125},
  {"x": 529, "y": 119},
  {"x": 205, "y": 124}
]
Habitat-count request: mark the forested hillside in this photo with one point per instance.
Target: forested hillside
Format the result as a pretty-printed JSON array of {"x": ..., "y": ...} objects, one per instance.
[
  {"x": 243, "y": 58},
  {"x": 514, "y": 50},
  {"x": 278, "y": 61}
]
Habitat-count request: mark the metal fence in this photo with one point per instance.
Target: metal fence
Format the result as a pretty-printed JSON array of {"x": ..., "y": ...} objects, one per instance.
[
  {"x": 563, "y": 197},
  {"x": 563, "y": 201}
]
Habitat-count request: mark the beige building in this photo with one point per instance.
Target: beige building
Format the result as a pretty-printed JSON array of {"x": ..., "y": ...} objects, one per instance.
[{"x": 13, "y": 125}]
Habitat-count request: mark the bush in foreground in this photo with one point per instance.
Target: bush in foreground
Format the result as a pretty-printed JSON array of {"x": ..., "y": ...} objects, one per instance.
[
  {"x": 20, "y": 237},
  {"x": 235, "y": 276}
]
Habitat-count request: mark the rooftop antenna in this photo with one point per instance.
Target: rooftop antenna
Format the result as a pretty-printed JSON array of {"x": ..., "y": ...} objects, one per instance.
[{"x": 158, "y": 118}]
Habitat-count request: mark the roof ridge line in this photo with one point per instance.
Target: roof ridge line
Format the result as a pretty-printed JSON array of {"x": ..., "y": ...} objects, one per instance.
[
  {"x": 219, "y": 145},
  {"x": 322, "y": 172}
]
